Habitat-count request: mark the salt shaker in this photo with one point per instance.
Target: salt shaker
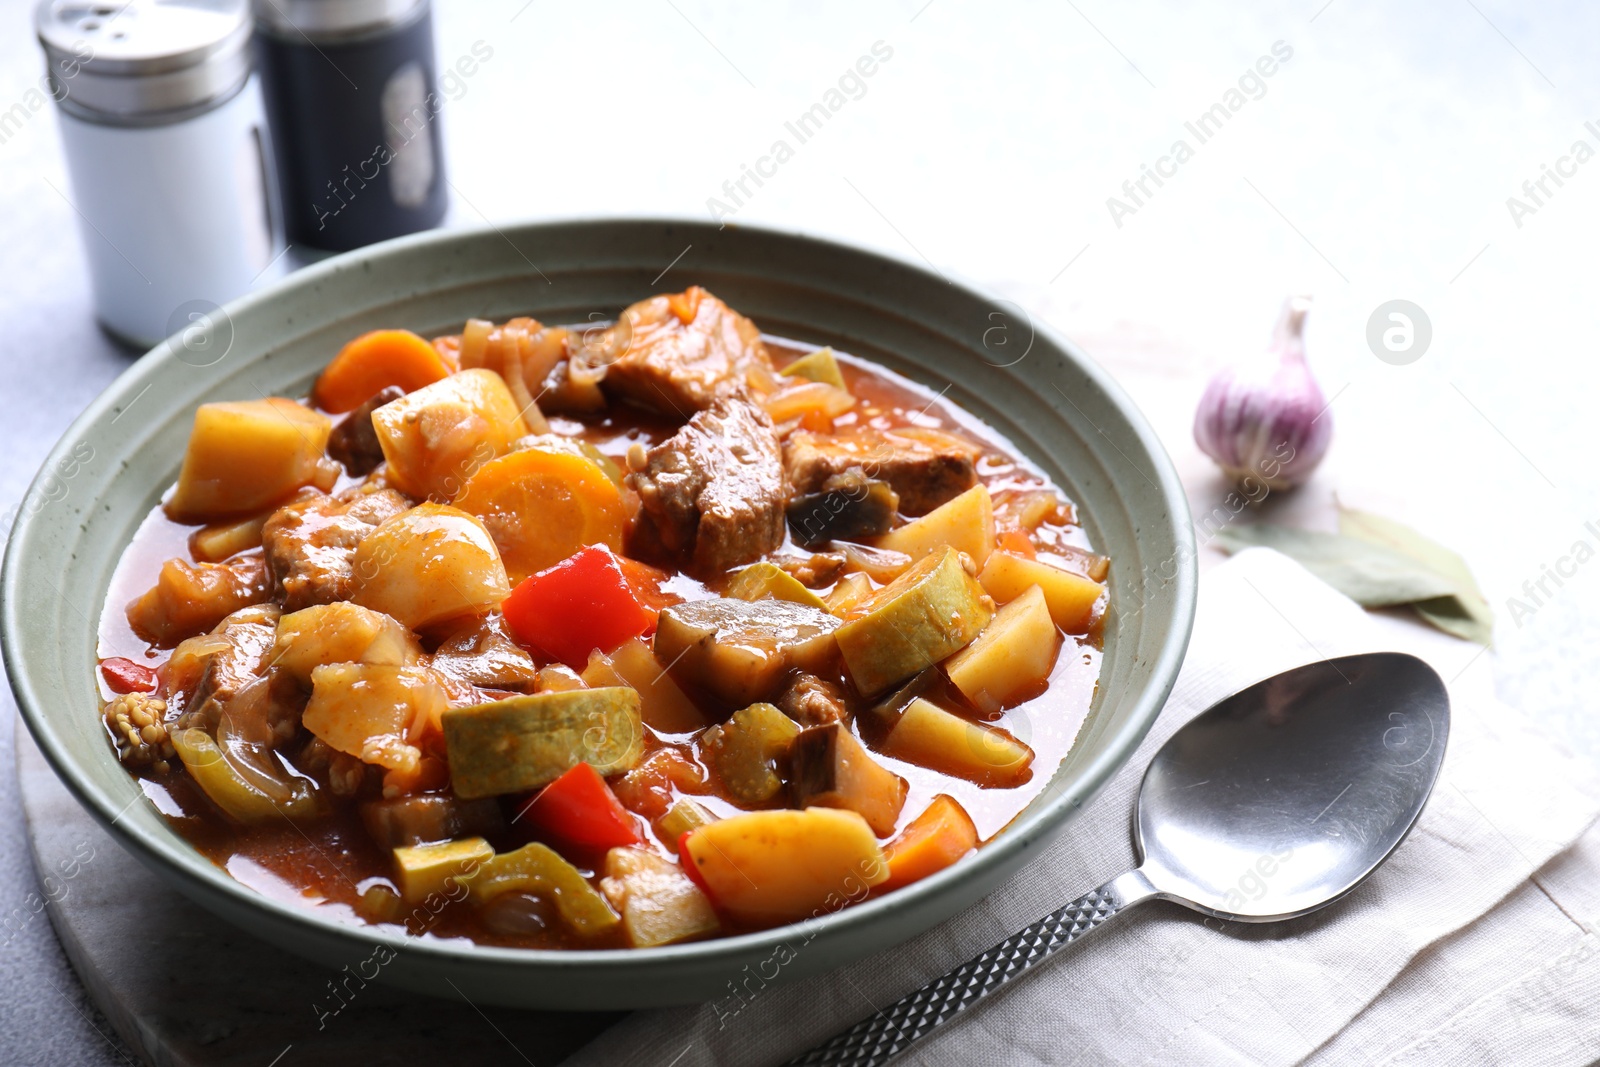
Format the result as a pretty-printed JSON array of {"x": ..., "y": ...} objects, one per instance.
[
  {"x": 353, "y": 102},
  {"x": 167, "y": 157}
]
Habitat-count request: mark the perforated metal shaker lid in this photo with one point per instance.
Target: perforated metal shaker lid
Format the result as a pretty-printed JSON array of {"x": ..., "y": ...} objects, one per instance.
[{"x": 139, "y": 60}]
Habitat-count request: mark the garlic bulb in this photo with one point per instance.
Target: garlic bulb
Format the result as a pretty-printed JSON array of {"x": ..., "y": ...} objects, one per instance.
[{"x": 1266, "y": 418}]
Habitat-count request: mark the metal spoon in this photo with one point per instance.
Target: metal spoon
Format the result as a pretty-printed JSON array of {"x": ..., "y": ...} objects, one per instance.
[{"x": 1270, "y": 804}]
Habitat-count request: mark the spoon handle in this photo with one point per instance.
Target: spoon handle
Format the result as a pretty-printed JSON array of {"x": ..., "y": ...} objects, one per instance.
[{"x": 876, "y": 1039}]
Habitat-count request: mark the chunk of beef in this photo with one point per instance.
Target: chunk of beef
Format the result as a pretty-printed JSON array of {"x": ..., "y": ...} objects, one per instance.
[
  {"x": 482, "y": 655},
  {"x": 926, "y": 472},
  {"x": 354, "y": 442},
  {"x": 310, "y": 541},
  {"x": 677, "y": 353},
  {"x": 812, "y": 569},
  {"x": 211, "y": 670},
  {"x": 716, "y": 489},
  {"x": 810, "y": 701}
]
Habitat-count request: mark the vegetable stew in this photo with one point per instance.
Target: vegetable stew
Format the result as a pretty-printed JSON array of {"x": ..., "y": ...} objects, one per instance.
[{"x": 604, "y": 637}]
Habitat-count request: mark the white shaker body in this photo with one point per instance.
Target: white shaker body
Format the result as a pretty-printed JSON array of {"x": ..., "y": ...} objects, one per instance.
[{"x": 175, "y": 218}]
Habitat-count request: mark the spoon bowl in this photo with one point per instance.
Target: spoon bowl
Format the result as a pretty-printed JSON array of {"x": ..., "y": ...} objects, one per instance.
[
  {"x": 1269, "y": 804},
  {"x": 1282, "y": 798}
]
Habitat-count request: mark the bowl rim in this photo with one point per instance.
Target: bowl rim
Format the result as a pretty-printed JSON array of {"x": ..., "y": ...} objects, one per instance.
[{"x": 178, "y": 858}]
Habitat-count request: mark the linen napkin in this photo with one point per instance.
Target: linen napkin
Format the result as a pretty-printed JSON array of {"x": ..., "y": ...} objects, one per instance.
[{"x": 1161, "y": 985}]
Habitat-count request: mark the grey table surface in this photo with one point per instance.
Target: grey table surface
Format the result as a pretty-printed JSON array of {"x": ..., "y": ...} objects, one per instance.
[{"x": 1375, "y": 164}]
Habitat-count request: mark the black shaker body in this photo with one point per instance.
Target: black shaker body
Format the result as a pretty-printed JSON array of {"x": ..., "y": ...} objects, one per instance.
[{"x": 355, "y": 128}]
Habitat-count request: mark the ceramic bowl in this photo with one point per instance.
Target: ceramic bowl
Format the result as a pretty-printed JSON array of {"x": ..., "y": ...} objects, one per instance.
[{"x": 1032, "y": 385}]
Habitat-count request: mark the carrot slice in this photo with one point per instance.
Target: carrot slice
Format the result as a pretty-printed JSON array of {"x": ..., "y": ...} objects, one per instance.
[
  {"x": 686, "y": 305},
  {"x": 935, "y": 839},
  {"x": 374, "y": 361},
  {"x": 541, "y": 507},
  {"x": 1017, "y": 541}
]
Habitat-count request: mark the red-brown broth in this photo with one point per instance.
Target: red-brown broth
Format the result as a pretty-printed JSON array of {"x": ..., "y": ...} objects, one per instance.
[{"x": 329, "y": 864}]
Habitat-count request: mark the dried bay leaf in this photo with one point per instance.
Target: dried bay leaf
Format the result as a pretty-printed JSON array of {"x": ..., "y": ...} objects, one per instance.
[
  {"x": 1380, "y": 563},
  {"x": 1466, "y": 614},
  {"x": 1374, "y": 576}
]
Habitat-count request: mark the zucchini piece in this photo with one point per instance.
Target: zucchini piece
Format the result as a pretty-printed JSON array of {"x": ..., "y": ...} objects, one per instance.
[
  {"x": 683, "y": 816},
  {"x": 746, "y": 751},
  {"x": 425, "y": 870},
  {"x": 1012, "y": 658},
  {"x": 524, "y": 742},
  {"x": 739, "y": 650},
  {"x": 965, "y": 523},
  {"x": 537, "y": 870},
  {"x": 660, "y": 905},
  {"x": 915, "y": 621},
  {"x": 818, "y": 366},
  {"x": 929, "y": 736},
  {"x": 768, "y": 581},
  {"x": 847, "y": 507},
  {"x": 830, "y": 769}
]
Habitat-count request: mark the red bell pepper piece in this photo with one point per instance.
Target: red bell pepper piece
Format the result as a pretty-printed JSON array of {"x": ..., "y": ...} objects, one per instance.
[
  {"x": 583, "y": 603},
  {"x": 579, "y": 810},
  {"x": 126, "y": 676},
  {"x": 687, "y": 862}
]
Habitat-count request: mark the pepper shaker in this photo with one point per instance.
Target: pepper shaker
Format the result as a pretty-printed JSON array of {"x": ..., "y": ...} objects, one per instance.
[
  {"x": 352, "y": 99},
  {"x": 164, "y": 137}
]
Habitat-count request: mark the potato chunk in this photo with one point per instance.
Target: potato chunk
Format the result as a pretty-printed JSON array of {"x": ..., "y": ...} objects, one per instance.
[
  {"x": 817, "y": 366},
  {"x": 773, "y": 867},
  {"x": 435, "y": 438},
  {"x": 525, "y": 742},
  {"x": 965, "y": 523},
  {"x": 340, "y": 633},
  {"x": 739, "y": 650},
  {"x": 915, "y": 621},
  {"x": 1070, "y": 597},
  {"x": 830, "y": 769},
  {"x": 246, "y": 455},
  {"x": 191, "y": 598},
  {"x": 427, "y": 565},
  {"x": 1012, "y": 658},
  {"x": 659, "y": 903},
  {"x": 662, "y": 705},
  {"x": 929, "y": 736}
]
